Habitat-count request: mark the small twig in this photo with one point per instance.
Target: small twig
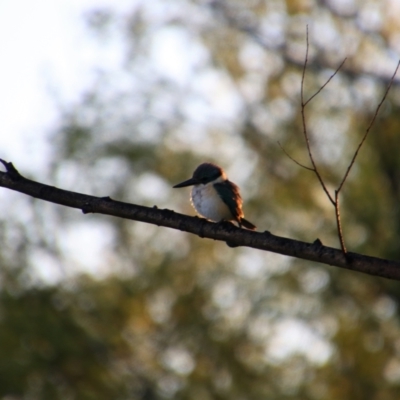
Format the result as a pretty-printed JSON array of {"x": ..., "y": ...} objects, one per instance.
[
  {"x": 368, "y": 129},
  {"x": 334, "y": 201},
  {"x": 295, "y": 161},
  {"x": 330, "y": 78},
  {"x": 305, "y": 133},
  {"x": 339, "y": 223},
  {"x": 11, "y": 170},
  {"x": 337, "y": 191}
]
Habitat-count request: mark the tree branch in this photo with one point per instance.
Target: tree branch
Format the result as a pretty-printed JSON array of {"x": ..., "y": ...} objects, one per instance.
[{"x": 13, "y": 180}]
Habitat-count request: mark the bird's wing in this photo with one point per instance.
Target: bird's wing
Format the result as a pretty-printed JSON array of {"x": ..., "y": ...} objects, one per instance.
[{"x": 229, "y": 193}]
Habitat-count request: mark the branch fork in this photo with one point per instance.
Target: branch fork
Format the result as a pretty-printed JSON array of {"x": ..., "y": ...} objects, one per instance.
[{"x": 334, "y": 199}]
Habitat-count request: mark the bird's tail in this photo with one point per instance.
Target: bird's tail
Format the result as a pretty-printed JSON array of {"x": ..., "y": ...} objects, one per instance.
[{"x": 247, "y": 224}]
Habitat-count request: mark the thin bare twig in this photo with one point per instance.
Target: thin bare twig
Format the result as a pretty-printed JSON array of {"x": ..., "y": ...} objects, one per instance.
[
  {"x": 337, "y": 191},
  {"x": 330, "y": 78},
  {"x": 305, "y": 133},
  {"x": 295, "y": 161},
  {"x": 368, "y": 129},
  {"x": 334, "y": 200},
  {"x": 339, "y": 223}
]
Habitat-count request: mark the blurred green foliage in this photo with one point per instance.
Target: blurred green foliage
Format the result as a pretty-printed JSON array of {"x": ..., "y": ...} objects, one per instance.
[{"x": 167, "y": 315}]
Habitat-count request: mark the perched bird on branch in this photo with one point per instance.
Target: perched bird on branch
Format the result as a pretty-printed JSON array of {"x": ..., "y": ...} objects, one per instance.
[{"x": 214, "y": 196}]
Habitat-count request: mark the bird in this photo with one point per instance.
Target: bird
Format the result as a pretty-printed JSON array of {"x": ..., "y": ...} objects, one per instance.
[{"x": 214, "y": 196}]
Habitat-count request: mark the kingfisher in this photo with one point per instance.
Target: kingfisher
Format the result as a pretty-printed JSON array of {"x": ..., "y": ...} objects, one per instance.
[{"x": 214, "y": 196}]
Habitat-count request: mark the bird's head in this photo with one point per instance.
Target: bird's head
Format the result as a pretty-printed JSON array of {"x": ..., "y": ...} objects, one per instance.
[{"x": 203, "y": 174}]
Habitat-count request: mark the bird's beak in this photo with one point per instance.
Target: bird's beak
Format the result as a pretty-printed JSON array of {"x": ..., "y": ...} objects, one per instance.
[{"x": 188, "y": 182}]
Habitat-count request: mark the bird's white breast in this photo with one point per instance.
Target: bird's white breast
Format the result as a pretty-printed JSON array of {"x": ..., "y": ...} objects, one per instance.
[{"x": 209, "y": 204}]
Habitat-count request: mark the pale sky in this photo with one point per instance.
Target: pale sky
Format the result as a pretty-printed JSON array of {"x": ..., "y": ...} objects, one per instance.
[
  {"x": 47, "y": 56},
  {"x": 44, "y": 48}
]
